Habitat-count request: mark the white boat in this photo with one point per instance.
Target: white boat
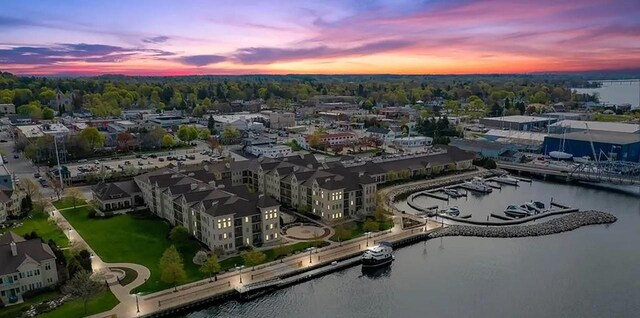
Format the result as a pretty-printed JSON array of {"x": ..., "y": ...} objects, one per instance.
[
  {"x": 516, "y": 211},
  {"x": 453, "y": 211},
  {"x": 477, "y": 184},
  {"x": 584, "y": 159},
  {"x": 533, "y": 207},
  {"x": 379, "y": 255},
  {"x": 452, "y": 193},
  {"x": 506, "y": 180},
  {"x": 560, "y": 155}
]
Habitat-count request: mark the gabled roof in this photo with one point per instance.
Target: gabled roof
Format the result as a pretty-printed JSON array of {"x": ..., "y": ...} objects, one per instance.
[
  {"x": 378, "y": 130},
  {"x": 32, "y": 249},
  {"x": 123, "y": 189}
]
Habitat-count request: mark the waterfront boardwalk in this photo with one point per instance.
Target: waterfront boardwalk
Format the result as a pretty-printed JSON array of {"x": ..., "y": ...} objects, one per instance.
[{"x": 229, "y": 283}]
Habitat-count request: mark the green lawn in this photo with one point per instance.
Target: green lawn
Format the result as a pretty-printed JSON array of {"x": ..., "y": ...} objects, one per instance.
[
  {"x": 129, "y": 275},
  {"x": 75, "y": 308},
  {"x": 38, "y": 221},
  {"x": 357, "y": 230},
  {"x": 16, "y": 310},
  {"x": 67, "y": 203},
  {"x": 271, "y": 254},
  {"x": 132, "y": 239}
]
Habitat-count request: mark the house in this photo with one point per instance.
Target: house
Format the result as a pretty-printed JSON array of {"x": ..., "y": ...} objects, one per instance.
[
  {"x": 26, "y": 265},
  {"x": 414, "y": 141},
  {"x": 279, "y": 120},
  {"x": 114, "y": 196},
  {"x": 384, "y": 134}
]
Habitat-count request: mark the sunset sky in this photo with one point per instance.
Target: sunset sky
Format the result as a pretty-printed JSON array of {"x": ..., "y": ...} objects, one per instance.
[{"x": 184, "y": 37}]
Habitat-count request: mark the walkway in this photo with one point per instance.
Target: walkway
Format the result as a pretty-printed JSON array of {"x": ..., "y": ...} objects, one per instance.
[
  {"x": 122, "y": 293},
  {"x": 228, "y": 282}
]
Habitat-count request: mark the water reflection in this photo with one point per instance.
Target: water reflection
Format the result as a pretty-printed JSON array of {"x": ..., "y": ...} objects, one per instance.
[{"x": 376, "y": 272}]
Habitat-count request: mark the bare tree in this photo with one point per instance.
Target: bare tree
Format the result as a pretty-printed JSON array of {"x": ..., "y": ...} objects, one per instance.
[
  {"x": 83, "y": 287},
  {"x": 74, "y": 195}
]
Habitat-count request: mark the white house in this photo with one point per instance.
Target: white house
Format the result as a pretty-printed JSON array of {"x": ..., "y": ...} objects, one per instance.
[
  {"x": 384, "y": 134},
  {"x": 26, "y": 265}
]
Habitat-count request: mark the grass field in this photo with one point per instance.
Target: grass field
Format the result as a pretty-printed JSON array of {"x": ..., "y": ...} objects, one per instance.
[
  {"x": 38, "y": 221},
  {"x": 75, "y": 308},
  {"x": 132, "y": 239},
  {"x": 270, "y": 253},
  {"x": 16, "y": 310},
  {"x": 356, "y": 229}
]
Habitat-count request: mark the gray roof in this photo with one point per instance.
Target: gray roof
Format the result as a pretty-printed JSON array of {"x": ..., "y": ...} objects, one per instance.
[
  {"x": 600, "y": 136},
  {"x": 378, "y": 130},
  {"x": 31, "y": 249},
  {"x": 113, "y": 190}
]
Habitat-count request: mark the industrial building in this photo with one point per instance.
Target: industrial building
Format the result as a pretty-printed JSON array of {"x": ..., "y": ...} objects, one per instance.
[
  {"x": 518, "y": 122},
  {"x": 526, "y": 141},
  {"x": 489, "y": 149},
  {"x": 569, "y": 116},
  {"x": 607, "y": 145},
  {"x": 577, "y": 125}
]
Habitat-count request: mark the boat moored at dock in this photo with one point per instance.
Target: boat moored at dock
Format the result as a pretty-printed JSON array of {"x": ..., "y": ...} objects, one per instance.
[
  {"x": 377, "y": 256},
  {"x": 477, "y": 184}
]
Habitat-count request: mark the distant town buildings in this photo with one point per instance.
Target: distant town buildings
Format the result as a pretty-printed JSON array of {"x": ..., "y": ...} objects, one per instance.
[
  {"x": 518, "y": 122},
  {"x": 6, "y": 109}
]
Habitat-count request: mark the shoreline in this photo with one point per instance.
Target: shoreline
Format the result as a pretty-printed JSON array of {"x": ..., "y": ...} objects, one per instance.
[{"x": 566, "y": 223}]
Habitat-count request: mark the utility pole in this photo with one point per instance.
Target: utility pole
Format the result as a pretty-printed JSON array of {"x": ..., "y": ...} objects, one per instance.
[{"x": 55, "y": 142}]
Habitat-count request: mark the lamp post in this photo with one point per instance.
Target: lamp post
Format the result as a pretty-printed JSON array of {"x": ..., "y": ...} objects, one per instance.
[
  {"x": 239, "y": 272},
  {"x": 137, "y": 304},
  {"x": 310, "y": 251},
  {"x": 367, "y": 234}
]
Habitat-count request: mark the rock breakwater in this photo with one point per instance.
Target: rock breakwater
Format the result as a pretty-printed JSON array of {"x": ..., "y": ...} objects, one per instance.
[{"x": 558, "y": 225}]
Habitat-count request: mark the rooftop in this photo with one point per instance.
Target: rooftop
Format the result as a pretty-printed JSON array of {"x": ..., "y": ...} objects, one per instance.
[
  {"x": 599, "y": 125},
  {"x": 611, "y": 137},
  {"x": 519, "y": 119}
]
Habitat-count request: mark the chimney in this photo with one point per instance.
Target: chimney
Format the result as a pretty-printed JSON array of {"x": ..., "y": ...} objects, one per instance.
[{"x": 14, "y": 249}]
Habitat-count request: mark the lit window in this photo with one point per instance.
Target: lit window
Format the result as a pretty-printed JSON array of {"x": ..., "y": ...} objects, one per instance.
[
  {"x": 224, "y": 235},
  {"x": 266, "y": 237},
  {"x": 275, "y": 235},
  {"x": 271, "y": 226}
]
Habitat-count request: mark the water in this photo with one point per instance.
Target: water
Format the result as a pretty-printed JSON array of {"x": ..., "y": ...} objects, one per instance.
[
  {"x": 616, "y": 93},
  {"x": 590, "y": 272}
]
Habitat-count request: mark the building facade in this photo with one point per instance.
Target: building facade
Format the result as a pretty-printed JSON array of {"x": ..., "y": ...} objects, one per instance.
[{"x": 26, "y": 265}]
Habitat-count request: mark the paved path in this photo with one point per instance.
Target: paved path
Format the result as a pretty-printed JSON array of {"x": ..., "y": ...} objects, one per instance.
[{"x": 122, "y": 293}]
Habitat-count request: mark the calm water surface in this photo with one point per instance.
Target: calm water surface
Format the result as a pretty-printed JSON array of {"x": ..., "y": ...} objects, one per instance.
[{"x": 590, "y": 272}]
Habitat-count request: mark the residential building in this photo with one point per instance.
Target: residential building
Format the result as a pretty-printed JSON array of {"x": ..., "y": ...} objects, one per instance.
[
  {"x": 168, "y": 121},
  {"x": 271, "y": 151},
  {"x": 337, "y": 139},
  {"x": 26, "y": 265},
  {"x": 384, "y": 134},
  {"x": 115, "y": 196},
  {"x": 6, "y": 109}
]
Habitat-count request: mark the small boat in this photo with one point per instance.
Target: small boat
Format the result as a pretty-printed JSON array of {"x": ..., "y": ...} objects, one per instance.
[
  {"x": 584, "y": 159},
  {"x": 516, "y": 211},
  {"x": 452, "y": 193},
  {"x": 560, "y": 155},
  {"x": 379, "y": 255},
  {"x": 453, "y": 211},
  {"x": 506, "y": 180},
  {"x": 532, "y": 208},
  {"x": 477, "y": 184}
]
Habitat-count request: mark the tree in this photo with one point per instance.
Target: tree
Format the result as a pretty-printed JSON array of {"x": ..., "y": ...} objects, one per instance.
[
  {"x": 92, "y": 137},
  {"x": 282, "y": 250},
  {"x": 187, "y": 133},
  {"x": 200, "y": 257},
  {"x": 213, "y": 143},
  {"x": 370, "y": 226},
  {"x": 48, "y": 113},
  {"x": 179, "y": 234},
  {"x": 230, "y": 134},
  {"x": 204, "y": 134},
  {"x": 172, "y": 267},
  {"x": 342, "y": 232},
  {"x": 74, "y": 195},
  {"x": 83, "y": 287},
  {"x": 210, "y": 266},
  {"x": 211, "y": 123},
  {"x": 315, "y": 140},
  {"x": 167, "y": 141},
  {"x": 124, "y": 141},
  {"x": 253, "y": 258},
  {"x": 31, "y": 189}
]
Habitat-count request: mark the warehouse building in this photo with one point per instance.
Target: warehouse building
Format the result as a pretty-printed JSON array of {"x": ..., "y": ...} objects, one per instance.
[
  {"x": 518, "y": 122},
  {"x": 607, "y": 144},
  {"x": 594, "y": 126}
]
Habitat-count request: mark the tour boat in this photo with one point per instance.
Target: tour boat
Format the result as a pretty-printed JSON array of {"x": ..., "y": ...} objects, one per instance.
[
  {"x": 507, "y": 180},
  {"x": 516, "y": 211},
  {"x": 379, "y": 255},
  {"x": 477, "y": 184}
]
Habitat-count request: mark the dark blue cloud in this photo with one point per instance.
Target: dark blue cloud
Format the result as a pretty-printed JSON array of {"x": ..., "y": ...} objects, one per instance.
[
  {"x": 265, "y": 55},
  {"x": 201, "y": 60},
  {"x": 74, "y": 52},
  {"x": 156, "y": 39}
]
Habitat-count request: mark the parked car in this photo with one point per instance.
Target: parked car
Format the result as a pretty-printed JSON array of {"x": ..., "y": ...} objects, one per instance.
[
  {"x": 161, "y": 159},
  {"x": 36, "y": 175},
  {"x": 3, "y": 140},
  {"x": 153, "y": 155},
  {"x": 97, "y": 162},
  {"x": 16, "y": 156}
]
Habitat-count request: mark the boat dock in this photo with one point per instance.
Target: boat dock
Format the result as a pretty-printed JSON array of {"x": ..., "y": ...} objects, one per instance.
[
  {"x": 503, "y": 181},
  {"x": 433, "y": 195}
]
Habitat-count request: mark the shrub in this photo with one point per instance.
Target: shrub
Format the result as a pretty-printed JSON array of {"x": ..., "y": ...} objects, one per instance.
[{"x": 200, "y": 257}]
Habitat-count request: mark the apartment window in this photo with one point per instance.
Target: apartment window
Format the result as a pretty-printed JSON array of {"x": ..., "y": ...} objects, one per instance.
[
  {"x": 246, "y": 219},
  {"x": 47, "y": 266},
  {"x": 224, "y": 235},
  {"x": 275, "y": 235},
  {"x": 271, "y": 226}
]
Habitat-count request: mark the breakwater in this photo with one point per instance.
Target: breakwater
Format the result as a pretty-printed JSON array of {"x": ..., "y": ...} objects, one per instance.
[{"x": 558, "y": 225}]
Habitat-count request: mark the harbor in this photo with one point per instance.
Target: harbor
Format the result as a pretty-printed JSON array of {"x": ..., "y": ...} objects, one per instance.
[{"x": 435, "y": 267}]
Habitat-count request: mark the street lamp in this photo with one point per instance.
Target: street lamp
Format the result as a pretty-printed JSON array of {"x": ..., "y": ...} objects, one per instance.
[
  {"x": 310, "y": 251},
  {"x": 367, "y": 234},
  {"x": 239, "y": 268},
  {"x": 137, "y": 304}
]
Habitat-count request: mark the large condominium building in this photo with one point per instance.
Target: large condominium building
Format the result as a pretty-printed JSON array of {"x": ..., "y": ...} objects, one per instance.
[
  {"x": 216, "y": 212},
  {"x": 24, "y": 265},
  {"x": 10, "y": 197}
]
